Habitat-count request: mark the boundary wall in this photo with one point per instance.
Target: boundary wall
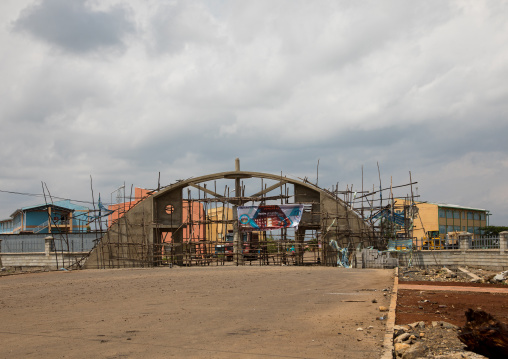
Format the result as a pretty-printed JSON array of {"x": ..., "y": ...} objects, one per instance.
[
  {"x": 495, "y": 259},
  {"x": 49, "y": 259}
]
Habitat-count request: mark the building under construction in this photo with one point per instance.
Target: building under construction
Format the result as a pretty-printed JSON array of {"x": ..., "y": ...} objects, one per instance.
[{"x": 195, "y": 222}]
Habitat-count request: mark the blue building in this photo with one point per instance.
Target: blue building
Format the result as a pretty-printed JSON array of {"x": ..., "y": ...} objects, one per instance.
[{"x": 57, "y": 217}]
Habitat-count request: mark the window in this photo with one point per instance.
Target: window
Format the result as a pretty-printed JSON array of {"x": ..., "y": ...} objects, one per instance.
[
  {"x": 456, "y": 228},
  {"x": 442, "y": 229},
  {"x": 456, "y": 214},
  {"x": 470, "y": 215},
  {"x": 441, "y": 213},
  {"x": 470, "y": 229},
  {"x": 476, "y": 216},
  {"x": 482, "y": 216},
  {"x": 449, "y": 213}
]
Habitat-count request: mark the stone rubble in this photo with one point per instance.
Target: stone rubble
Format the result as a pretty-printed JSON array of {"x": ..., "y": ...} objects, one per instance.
[
  {"x": 452, "y": 275},
  {"x": 438, "y": 340},
  {"x": 501, "y": 277}
]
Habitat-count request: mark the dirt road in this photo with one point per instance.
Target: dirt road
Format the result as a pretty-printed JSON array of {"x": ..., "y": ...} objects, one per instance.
[{"x": 205, "y": 312}]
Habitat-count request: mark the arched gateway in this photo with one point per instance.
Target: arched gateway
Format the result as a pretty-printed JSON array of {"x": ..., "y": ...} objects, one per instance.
[{"x": 169, "y": 227}]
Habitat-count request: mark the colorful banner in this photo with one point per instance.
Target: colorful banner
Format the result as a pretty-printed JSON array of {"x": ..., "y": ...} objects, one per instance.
[{"x": 267, "y": 218}]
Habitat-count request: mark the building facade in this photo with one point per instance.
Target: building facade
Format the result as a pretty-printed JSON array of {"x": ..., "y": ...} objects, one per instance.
[
  {"x": 445, "y": 218},
  {"x": 58, "y": 217},
  {"x": 221, "y": 223}
]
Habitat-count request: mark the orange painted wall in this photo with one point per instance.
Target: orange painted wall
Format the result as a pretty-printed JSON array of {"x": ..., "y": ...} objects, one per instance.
[
  {"x": 121, "y": 208},
  {"x": 196, "y": 213},
  {"x": 192, "y": 212}
]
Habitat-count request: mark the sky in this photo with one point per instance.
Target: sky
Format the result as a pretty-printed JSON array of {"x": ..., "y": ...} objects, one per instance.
[{"x": 96, "y": 94}]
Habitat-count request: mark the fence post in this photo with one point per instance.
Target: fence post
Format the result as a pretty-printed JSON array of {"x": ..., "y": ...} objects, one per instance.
[
  {"x": 464, "y": 240},
  {"x": 503, "y": 241},
  {"x": 1, "y": 265},
  {"x": 47, "y": 245}
]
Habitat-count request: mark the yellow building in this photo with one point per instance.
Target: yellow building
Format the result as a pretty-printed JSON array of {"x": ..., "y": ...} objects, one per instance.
[
  {"x": 445, "y": 218},
  {"x": 220, "y": 222}
]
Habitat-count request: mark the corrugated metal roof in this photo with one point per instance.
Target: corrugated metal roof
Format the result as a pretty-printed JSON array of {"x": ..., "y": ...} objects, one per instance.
[
  {"x": 41, "y": 206},
  {"x": 65, "y": 205},
  {"x": 449, "y": 205}
]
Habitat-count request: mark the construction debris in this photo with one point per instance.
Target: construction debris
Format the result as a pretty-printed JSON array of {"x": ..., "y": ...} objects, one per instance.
[
  {"x": 444, "y": 274},
  {"x": 436, "y": 340},
  {"x": 501, "y": 277}
]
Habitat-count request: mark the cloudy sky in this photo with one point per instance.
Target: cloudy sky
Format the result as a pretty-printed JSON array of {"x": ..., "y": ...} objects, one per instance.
[{"x": 120, "y": 90}]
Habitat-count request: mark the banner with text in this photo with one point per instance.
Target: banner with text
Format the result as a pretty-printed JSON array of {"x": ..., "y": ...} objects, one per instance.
[{"x": 271, "y": 217}]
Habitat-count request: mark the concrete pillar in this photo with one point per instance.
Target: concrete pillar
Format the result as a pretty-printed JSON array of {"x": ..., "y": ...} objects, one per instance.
[
  {"x": 464, "y": 240},
  {"x": 48, "y": 242},
  {"x": 503, "y": 241}
]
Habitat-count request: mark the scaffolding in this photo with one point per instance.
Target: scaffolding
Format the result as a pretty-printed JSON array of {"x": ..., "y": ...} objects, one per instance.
[{"x": 194, "y": 223}]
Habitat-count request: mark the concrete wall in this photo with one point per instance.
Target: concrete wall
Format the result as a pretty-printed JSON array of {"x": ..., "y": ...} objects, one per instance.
[
  {"x": 128, "y": 242},
  {"x": 341, "y": 223},
  {"x": 47, "y": 259},
  {"x": 50, "y": 261},
  {"x": 495, "y": 259},
  {"x": 490, "y": 258},
  {"x": 34, "y": 242}
]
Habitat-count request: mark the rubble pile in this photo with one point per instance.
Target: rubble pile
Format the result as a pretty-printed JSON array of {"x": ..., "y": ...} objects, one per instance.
[
  {"x": 437, "y": 340},
  {"x": 477, "y": 275}
]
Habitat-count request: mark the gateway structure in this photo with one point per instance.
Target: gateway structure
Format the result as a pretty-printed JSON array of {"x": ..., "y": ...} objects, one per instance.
[{"x": 159, "y": 231}]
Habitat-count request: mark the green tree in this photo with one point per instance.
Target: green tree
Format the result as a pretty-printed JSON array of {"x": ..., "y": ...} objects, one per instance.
[{"x": 492, "y": 231}]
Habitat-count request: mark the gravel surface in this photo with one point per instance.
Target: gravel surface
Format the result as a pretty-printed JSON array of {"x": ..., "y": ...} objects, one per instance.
[{"x": 433, "y": 317}]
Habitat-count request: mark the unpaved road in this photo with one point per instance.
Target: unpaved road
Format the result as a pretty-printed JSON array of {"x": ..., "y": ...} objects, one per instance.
[{"x": 204, "y": 312}]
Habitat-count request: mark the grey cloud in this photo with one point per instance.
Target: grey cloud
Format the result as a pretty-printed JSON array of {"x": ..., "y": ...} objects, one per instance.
[
  {"x": 180, "y": 23},
  {"x": 74, "y": 27}
]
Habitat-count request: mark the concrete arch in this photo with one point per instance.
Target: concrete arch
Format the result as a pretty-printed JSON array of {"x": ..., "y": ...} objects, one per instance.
[
  {"x": 240, "y": 175},
  {"x": 134, "y": 240}
]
